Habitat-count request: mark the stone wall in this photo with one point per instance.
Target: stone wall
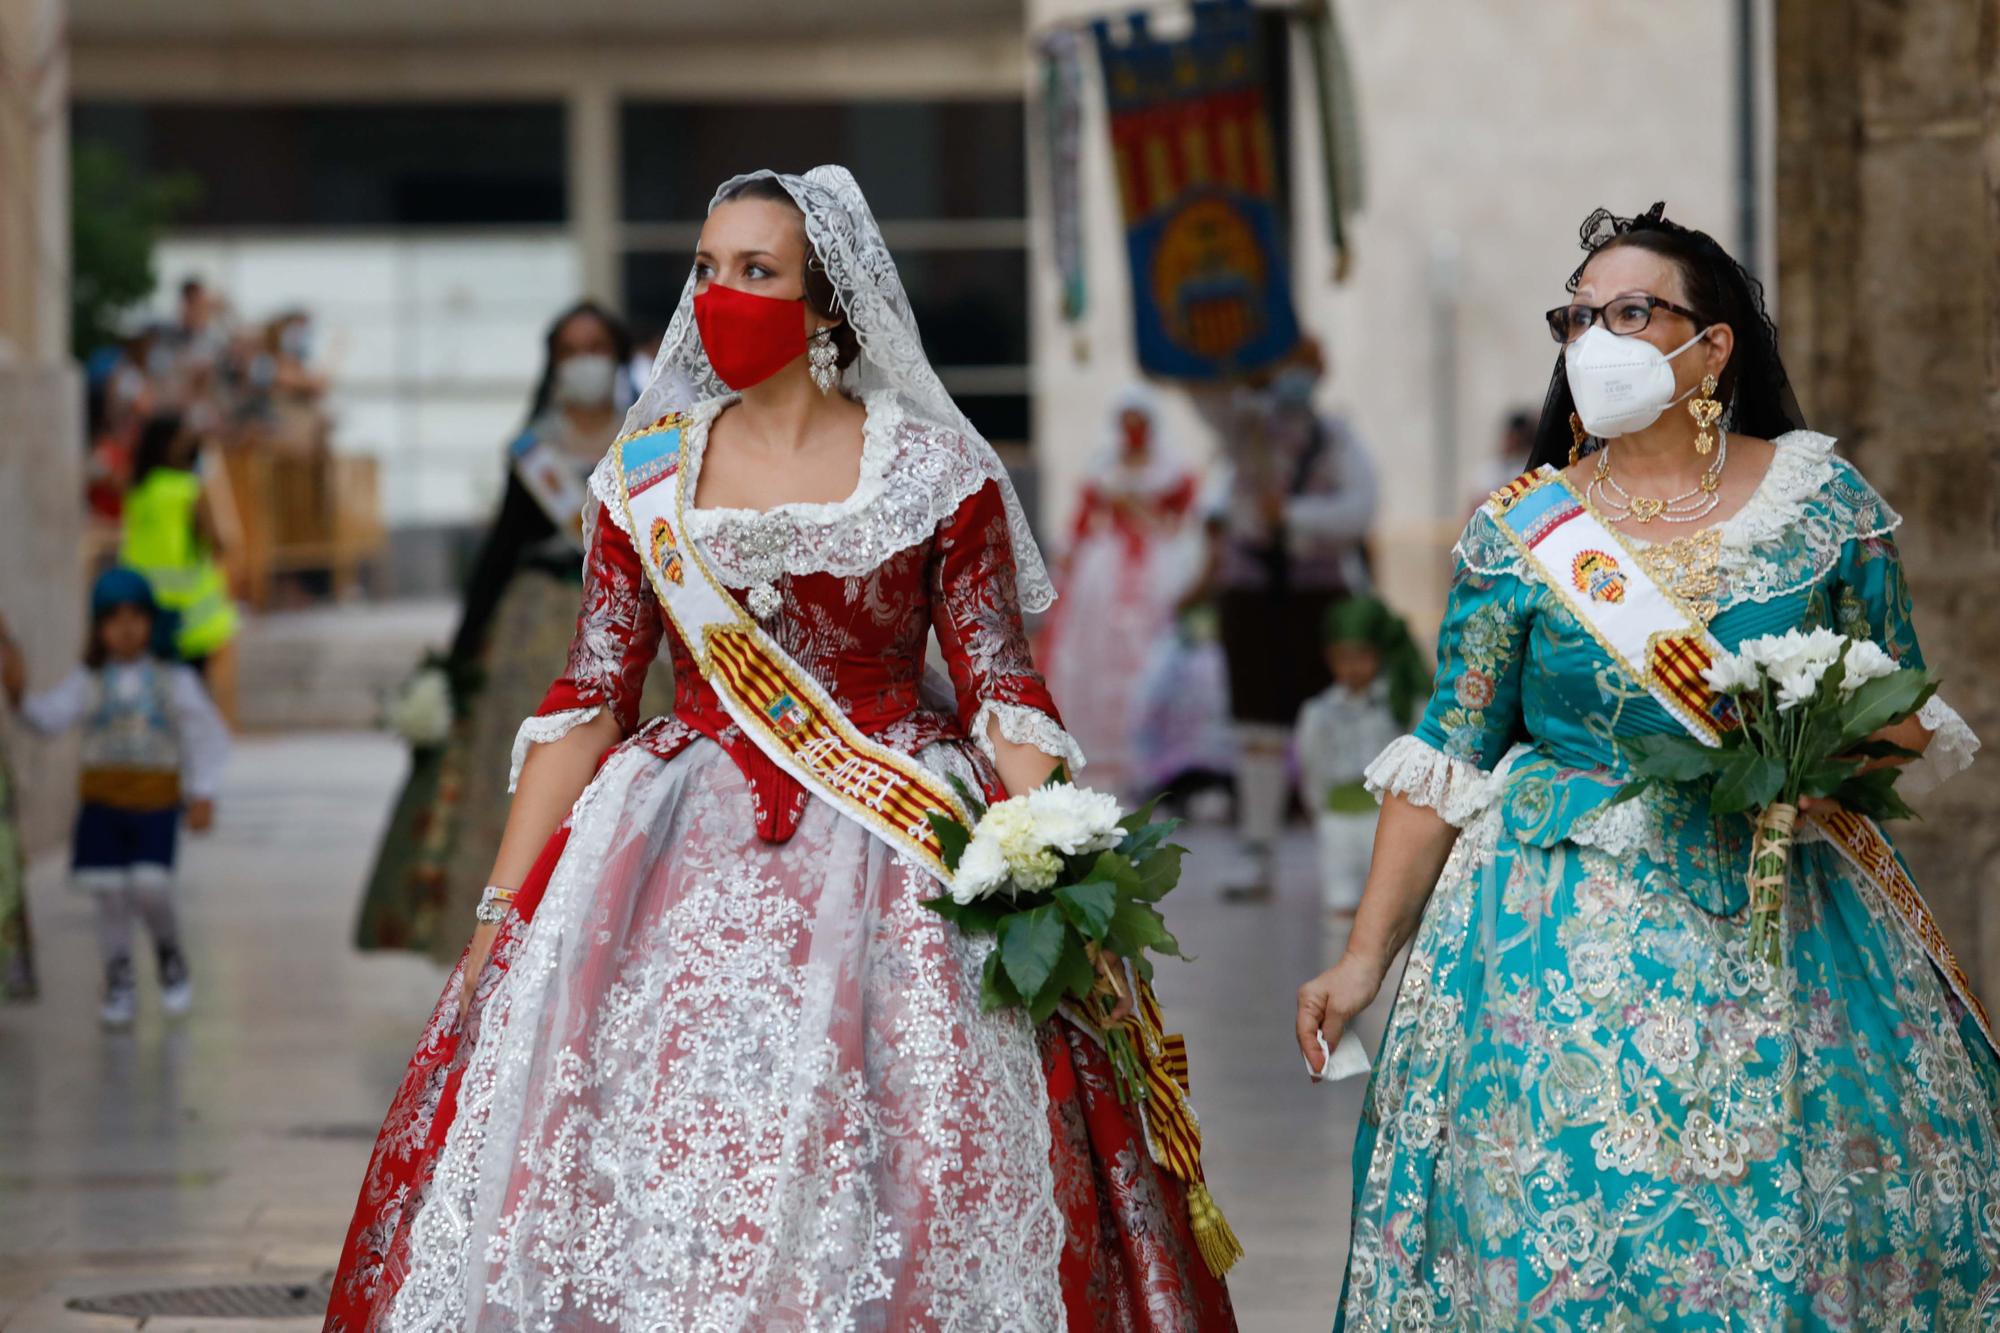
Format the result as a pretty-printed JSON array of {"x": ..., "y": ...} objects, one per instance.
[
  {"x": 1889, "y": 288},
  {"x": 41, "y": 574}
]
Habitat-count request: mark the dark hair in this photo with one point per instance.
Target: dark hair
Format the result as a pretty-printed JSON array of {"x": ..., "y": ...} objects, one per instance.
[
  {"x": 166, "y": 627},
  {"x": 821, "y": 294},
  {"x": 190, "y": 285},
  {"x": 1756, "y": 393},
  {"x": 621, "y": 350},
  {"x": 155, "y": 449}
]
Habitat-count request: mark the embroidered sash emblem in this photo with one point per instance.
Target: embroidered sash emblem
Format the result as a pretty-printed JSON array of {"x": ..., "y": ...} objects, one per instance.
[
  {"x": 666, "y": 551},
  {"x": 1598, "y": 574}
]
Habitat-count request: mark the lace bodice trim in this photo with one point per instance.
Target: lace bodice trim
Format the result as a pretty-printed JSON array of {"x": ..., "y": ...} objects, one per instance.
[
  {"x": 914, "y": 476},
  {"x": 1786, "y": 536},
  {"x": 1457, "y": 790}
]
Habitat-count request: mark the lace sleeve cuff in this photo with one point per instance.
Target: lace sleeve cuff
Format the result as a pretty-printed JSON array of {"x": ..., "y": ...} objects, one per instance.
[
  {"x": 542, "y": 729},
  {"x": 1026, "y": 726},
  {"x": 1952, "y": 747},
  {"x": 1411, "y": 769}
]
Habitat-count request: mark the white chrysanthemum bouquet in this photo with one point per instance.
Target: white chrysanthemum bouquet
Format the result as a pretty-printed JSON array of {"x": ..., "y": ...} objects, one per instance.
[
  {"x": 1067, "y": 881},
  {"x": 1807, "y": 706}
]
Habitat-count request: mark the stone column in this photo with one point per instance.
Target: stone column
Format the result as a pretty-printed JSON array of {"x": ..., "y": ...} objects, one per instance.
[
  {"x": 41, "y": 454},
  {"x": 1889, "y": 292},
  {"x": 593, "y": 170}
]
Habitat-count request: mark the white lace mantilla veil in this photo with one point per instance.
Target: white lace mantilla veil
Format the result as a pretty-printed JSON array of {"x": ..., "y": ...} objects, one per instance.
[{"x": 849, "y": 244}]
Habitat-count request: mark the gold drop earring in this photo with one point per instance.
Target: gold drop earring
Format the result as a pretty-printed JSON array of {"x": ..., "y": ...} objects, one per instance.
[
  {"x": 1578, "y": 437},
  {"x": 1706, "y": 409}
]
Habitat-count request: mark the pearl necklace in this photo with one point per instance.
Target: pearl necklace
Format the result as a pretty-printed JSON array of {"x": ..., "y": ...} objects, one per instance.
[{"x": 1619, "y": 503}]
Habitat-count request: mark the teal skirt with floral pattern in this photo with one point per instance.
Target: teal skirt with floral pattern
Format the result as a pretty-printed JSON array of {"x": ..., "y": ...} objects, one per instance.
[{"x": 1587, "y": 1115}]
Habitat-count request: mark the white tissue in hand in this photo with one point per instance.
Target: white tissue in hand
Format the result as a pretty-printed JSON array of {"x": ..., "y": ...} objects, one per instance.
[{"x": 1344, "y": 1061}]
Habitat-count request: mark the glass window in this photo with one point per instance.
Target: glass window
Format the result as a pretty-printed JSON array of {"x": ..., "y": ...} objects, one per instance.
[
  {"x": 408, "y": 164},
  {"x": 950, "y": 159}
]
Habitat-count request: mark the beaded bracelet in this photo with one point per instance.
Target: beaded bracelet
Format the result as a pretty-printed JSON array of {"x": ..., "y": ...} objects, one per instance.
[{"x": 493, "y": 905}]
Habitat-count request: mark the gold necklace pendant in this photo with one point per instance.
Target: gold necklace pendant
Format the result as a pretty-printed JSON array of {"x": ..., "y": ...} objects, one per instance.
[
  {"x": 1645, "y": 508},
  {"x": 1685, "y": 567}
]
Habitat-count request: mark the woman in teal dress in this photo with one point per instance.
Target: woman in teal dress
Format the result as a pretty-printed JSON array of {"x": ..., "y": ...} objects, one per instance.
[{"x": 1587, "y": 1113}]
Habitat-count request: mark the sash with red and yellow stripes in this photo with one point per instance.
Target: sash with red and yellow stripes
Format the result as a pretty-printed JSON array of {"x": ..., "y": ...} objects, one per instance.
[
  {"x": 1664, "y": 646},
  {"x": 1639, "y": 623},
  {"x": 788, "y": 714},
  {"x": 793, "y": 719}
]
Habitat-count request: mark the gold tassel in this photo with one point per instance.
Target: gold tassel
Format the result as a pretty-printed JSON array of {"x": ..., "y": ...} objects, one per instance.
[{"x": 1218, "y": 1244}]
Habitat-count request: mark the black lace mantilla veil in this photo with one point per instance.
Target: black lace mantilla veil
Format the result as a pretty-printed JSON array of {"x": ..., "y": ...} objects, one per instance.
[
  {"x": 846, "y": 240},
  {"x": 1756, "y": 392}
]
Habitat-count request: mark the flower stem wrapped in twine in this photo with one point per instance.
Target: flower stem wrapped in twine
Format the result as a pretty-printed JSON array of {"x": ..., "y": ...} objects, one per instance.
[
  {"x": 1105, "y": 997},
  {"x": 1151, "y": 1069},
  {"x": 1770, "y": 862}
]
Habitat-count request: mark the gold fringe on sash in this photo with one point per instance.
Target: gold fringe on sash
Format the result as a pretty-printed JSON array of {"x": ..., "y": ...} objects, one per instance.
[{"x": 1172, "y": 1132}]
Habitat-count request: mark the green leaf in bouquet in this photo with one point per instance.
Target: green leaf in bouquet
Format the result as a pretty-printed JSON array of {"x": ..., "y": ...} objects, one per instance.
[
  {"x": 1089, "y": 906},
  {"x": 1668, "y": 758},
  {"x": 1142, "y": 841},
  {"x": 996, "y": 991},
  {"x": 1030, "y": 943},
  {"x": 1636, "y": 787},
  {"x": 1058, "y": 776},
  {"x": 1884, "y": 750},
  {"x": 1141, "y": 817},
  {"x": 1115, "y": 868},
  {"x": 1057, "y": 988},
  {"x": 1159, "y": 873},
  {"x": 1874, "y": 794},
  {"x": 1883, "y": 703},
  {"x": 1135, "y": 926},
  {"x": 982, "y": 917},
  {"x": 1073, "y": 975},
  {"x": 1143, "y": 966},
  {"x": 1826, "y": 777},
  {"x": 1749, "y": 781},
  {"x": 973, "y": 805},
  {"x": 953, "y": 837}
]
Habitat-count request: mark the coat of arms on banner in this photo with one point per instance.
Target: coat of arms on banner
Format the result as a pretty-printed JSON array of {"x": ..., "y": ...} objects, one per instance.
[{"x": 1198, "y": 177}]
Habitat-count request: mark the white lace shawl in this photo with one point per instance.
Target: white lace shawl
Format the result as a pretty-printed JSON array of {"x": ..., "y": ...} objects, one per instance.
[{"x": 848, "y": 244}]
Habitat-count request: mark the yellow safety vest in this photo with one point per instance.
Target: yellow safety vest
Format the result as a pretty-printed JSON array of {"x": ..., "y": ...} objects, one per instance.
[{"x": 160, "y": 542}]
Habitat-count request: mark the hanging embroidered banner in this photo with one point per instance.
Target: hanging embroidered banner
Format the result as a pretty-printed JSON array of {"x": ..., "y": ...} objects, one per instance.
[
  {"x": 1062, "y": 134},
  {"x": 1198, "y": 179}
]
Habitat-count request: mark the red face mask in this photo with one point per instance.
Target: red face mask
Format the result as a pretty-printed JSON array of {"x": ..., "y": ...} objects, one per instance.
[{"x": 748, "y": 338}]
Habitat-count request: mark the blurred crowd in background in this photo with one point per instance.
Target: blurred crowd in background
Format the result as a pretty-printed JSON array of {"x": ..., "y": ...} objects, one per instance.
[{"x": 235, "y": 383}]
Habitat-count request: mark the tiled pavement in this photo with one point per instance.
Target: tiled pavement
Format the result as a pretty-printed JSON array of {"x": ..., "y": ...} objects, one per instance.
[{"x": 229, "y": 1147}]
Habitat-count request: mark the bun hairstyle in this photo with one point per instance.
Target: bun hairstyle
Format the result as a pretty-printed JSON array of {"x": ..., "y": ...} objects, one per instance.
[
  {"x": 1756, "y": 393},
  {"x": 820, "y": 293}
]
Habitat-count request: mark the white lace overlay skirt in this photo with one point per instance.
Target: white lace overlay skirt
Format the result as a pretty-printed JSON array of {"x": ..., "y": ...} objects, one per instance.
[{"x": 730, "y": 1085}]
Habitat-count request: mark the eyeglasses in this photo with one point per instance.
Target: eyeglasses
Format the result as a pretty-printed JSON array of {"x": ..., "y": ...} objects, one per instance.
[{"x": 1621, "y": 314}]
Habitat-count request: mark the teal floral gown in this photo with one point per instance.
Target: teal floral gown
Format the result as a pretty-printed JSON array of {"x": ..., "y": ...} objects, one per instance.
[{"x": 1584, "y": 1115}]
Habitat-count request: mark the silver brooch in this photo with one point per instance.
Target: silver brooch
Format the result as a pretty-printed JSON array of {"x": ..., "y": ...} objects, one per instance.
[{"x": 764, "y": 601}]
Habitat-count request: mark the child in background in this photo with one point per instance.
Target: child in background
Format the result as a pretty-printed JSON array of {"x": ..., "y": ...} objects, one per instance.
[
  {"x": 152, "y": 742},
  {"x": 1379, "y": 679}
]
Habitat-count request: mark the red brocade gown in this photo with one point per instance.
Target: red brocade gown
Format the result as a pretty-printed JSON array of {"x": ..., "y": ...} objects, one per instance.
[{"x": 723, "y": 1071}]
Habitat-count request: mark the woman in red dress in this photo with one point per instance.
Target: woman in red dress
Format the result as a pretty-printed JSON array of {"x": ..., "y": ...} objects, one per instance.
[
  {"x": 717, "y": 1067},
  {"x": 1121, "y": 579}
]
